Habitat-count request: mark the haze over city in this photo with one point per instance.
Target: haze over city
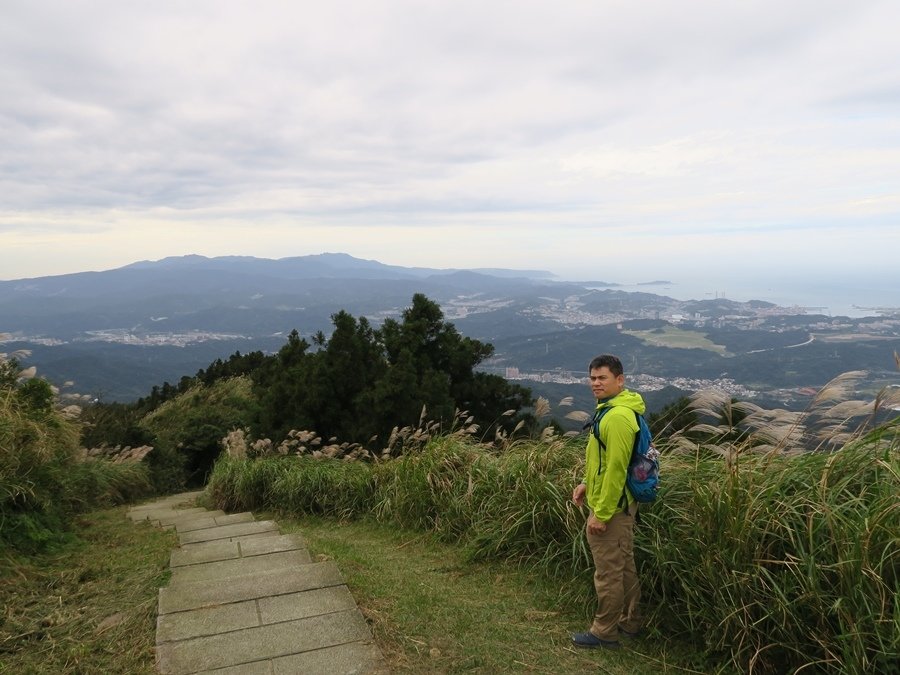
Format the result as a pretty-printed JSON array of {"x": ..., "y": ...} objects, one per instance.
[{"x": 597, "y": 140}]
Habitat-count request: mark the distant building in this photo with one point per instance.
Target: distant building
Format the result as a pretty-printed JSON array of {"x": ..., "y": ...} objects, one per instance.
[{"x": 512, "y": 373}]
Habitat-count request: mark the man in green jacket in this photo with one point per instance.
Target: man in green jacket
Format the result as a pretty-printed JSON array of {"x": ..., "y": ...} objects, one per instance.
[{"x": 610, "y": 525}]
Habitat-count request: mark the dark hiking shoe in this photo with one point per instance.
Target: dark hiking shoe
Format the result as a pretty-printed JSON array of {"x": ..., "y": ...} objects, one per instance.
[
  {"x": 590, "y": 641},
  {"x": 629, "y": 635}
]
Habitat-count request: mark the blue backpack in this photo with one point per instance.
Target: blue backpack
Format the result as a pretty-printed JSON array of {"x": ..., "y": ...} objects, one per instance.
[{"x": 642, "y": 476}]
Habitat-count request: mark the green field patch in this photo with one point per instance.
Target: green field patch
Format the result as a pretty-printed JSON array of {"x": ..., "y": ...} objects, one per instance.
[{"x": 677, "y": 338}]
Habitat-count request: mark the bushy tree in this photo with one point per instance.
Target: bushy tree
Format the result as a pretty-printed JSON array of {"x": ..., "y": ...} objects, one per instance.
[
  {"x": 355, "y": 384},
  {"x": 362, "y": 382},
  {"x": 280, "y": 385},
  {"x": 188, "y": 430}
]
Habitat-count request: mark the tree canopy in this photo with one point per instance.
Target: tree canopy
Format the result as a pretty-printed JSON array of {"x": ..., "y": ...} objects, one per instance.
[
  {"x": 355, "y": 384},
  {"x": 361, "y": 382}
]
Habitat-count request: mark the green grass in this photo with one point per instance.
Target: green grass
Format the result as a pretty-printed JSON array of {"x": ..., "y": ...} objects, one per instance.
[
  {"x": 433, "y": 611},
  {"x": 90, "y": 605},
  {"x": 676, "y": 338}
]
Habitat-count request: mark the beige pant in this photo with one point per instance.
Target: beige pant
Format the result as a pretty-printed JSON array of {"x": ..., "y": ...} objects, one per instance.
[{"x": 615, "y": 578}]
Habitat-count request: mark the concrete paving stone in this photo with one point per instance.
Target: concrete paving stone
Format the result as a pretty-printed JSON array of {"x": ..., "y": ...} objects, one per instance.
[
  {"x": 247, "y": 537},
  {"x": 208, "y": 551},
  {"x": 183, "y": 499},
  {"x": 178, "y": 597},
  {"x": 262, "y": 642},
  {"x": 254, "y": 668},
  {"x": 226, "y": 549},
  {"x": 232, "y": 518},
  {"x": 226, "y": 569},
  {"x": 228, "y": 531},
  {"x": 187, "y": 512},
  {"x": 272, "y": 612},
  {"x": 353, "y": 658},
  {"x": 249, "y": 613},
  {"x": 178, "y": 519},
  {"x": 304, "y": 604},
  {"x": 206, "y": 621},
  {"x": 262, "y": 545},
  {"x": 163, "y": 513},
  {"x": 170, "y": 502},
  {"x": 203, "y": 522}
]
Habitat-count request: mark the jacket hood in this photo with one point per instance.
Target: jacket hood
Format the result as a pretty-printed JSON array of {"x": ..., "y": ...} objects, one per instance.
[{"x": 626, "y": 399}]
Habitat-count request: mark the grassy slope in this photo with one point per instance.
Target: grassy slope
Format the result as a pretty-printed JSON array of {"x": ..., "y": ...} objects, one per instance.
[
  {"x": 91, "y": 605},
  {"x": 88, "y": 607},
  {"x": 430, "y": 612}
]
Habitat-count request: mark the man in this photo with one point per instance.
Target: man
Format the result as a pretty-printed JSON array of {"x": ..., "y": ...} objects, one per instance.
[{"x": 610, "y": 525}]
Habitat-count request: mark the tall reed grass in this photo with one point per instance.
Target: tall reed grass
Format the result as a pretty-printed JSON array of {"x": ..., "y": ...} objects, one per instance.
[
  {"x": 779, "y": 562},
  {"x": 785, "y": 562},
  {"x": 43, "y": 480}
]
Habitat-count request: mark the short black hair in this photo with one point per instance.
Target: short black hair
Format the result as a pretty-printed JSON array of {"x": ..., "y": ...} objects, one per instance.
[{"x": 608, "y": 360}]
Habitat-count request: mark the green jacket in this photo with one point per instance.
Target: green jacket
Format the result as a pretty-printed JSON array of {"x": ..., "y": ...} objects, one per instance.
[{"x": 604, "y": 470}]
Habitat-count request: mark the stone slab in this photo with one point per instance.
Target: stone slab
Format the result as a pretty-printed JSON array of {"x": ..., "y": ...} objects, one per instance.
[
  {"x": 255, "y": 668},
  {"x": 208, "y": 551},
  {"x": 226, "y": 569},
  {"x": 197, "y": 594},
  {"x": 170, "y": 500},
  {"x": 353, "y": 658},
  {"x": 200, "y": 522},
  {"x": 173, "y": 501},
  {"x": 210, "y": 519},
  {"x": 232, "y": 518},
  {"x": 263, "y": 642},
  {"x": 227, "y": 531},
  {"x": 263, "y": 545},
  {"x": 304, "y": 604},
  {"x": 180, "y": 518},
  {"x": 244, "y": 538},
  {"x": 163, "y": 512},
  {"x": 236, "y": 615},
  {"x": 244, "y": 600},
  {"x": 206, "y": 621},
  {"x": 225, "y": 549}
]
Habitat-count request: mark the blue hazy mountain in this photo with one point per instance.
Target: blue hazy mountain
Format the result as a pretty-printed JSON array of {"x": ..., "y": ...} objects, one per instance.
[
  {"x": 234, "y": 294},
  {"x": 120, "y": 332}
]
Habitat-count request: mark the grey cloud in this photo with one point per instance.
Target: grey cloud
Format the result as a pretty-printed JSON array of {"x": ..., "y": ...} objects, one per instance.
[{"x": 210, "y": 105}]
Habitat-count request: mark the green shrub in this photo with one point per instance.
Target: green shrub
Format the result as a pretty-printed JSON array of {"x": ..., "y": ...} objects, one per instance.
[
  {"x": 43, "y": 482},
  {"x": 188, "y": 429}
]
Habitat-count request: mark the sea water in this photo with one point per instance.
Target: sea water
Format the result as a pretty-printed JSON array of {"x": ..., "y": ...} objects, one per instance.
[{"x": 832, "y": 297}]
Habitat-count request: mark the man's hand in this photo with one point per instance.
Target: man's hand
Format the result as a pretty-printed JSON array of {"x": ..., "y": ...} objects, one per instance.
[
  {"x": 595, "y": 526},
  {"x": 578, "y": 494}
]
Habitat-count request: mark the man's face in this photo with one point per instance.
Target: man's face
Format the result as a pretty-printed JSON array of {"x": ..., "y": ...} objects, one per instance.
[{"x": 604, "y": 384}]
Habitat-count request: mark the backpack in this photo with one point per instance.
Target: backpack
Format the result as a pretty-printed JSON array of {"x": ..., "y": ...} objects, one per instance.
[{"x": 642, "y": 475}]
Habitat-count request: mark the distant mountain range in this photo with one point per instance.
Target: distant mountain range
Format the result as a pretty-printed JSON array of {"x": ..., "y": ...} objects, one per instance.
[
  {"x": 117, "y": 333},
  {"x": 238, "y": 295}
]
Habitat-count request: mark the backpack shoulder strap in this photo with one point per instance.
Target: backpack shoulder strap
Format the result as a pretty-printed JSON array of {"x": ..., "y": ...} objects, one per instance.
[{"x": 594, "y": 423}]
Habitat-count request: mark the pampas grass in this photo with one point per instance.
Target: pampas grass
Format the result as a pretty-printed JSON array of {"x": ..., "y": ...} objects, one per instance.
[
  {"x": 44, "y": 481},
  {"x": 782, "y": 558}
]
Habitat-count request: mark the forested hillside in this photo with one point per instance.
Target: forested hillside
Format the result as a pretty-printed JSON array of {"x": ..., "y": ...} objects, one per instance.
[{"x": 359, "y": 385}]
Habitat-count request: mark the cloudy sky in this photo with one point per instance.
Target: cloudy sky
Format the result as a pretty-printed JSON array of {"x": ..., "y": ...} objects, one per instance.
[{"x": 595, "y": 139}]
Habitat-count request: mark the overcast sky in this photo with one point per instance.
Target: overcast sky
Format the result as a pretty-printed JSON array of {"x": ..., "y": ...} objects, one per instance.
[{"x": 595, "y": 139}]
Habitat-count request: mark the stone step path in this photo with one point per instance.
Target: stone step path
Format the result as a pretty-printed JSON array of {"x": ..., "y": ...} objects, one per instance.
[{"x": 244, "y": 599}]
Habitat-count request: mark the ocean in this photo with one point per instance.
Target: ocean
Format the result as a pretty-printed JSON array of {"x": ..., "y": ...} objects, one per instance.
[{"x": 832, "y": 297}]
